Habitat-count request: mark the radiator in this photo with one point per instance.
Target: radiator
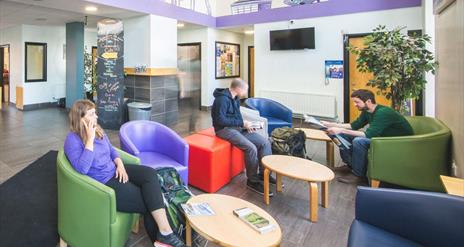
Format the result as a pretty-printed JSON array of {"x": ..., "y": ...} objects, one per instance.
[{"x": 301, "y": 103}]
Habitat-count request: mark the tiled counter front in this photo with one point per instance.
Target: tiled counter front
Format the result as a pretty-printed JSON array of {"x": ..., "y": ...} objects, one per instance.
[{"x": 162, "y": 92}]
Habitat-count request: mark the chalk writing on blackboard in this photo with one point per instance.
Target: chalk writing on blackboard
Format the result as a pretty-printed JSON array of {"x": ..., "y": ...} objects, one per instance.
[{"x": 110, "y": 72}]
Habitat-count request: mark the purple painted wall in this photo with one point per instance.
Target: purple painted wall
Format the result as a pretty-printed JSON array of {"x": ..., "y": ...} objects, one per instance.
[{"x": 330, "y": 8}]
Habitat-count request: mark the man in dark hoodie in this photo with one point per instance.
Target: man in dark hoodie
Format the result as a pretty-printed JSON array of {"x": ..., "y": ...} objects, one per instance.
[{"x": 229, "y": 125}]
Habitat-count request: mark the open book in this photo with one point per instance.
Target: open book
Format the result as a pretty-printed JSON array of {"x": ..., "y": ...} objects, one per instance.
[
  {"x": 341, "y": 142},
  {"x": 254, "y": 220},
  {"x": 257, "y": 125}
]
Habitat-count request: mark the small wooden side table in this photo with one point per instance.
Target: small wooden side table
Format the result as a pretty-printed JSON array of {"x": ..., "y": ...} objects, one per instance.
[
  {"x": 301, "y": 169},
  {"x": 226, "y": 229},
  {"x": 453, "y": 186},
  {"x": 319, "y": 135}
]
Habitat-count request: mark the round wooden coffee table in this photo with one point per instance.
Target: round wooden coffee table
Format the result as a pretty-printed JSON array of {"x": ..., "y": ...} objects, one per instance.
[
  {"x": 319, "y": 135},
  {"x": 226, "y": 229},
  {"x": 301, "y": 169}
]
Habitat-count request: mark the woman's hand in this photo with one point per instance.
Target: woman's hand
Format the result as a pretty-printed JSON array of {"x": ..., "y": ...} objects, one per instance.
[
  {"x": 121, "y": 173},
  {"x": 90, "y": 127}
]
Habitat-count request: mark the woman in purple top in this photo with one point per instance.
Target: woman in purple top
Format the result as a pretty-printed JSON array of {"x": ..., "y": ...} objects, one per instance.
[{"x": 136, "y": 187}]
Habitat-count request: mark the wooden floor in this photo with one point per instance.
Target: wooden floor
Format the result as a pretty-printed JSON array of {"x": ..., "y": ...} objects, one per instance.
[{"x": 25, "y": 136}]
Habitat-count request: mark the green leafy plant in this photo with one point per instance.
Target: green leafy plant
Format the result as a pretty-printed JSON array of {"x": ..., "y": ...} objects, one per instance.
[
  {"x": 398, "y": 62},
  {"x": 89, "y": 76}
]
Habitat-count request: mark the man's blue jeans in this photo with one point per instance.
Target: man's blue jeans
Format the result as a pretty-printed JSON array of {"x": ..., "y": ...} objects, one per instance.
[
  {"x": 356, "y": 156},
  {"x": 253, "y": 144}
]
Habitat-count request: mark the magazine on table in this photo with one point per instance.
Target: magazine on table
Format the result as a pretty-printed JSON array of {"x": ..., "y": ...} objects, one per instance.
[
  {"x": 197, "y": 209},
  {"x": 256, "y": 221},
  {"x": 337, "y": 139}
]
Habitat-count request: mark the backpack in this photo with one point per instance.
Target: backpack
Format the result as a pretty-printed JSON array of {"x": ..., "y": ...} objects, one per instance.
[
  {"x": 288, "y": 141},
  {"x": 175, "y": 193}
]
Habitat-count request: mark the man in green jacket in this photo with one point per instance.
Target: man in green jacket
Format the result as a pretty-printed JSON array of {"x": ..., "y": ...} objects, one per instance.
[{"x": 383, "y": 121}]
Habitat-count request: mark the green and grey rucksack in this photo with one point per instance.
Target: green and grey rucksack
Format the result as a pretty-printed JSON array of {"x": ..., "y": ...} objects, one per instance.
[
  {"x": 175, "y": 193},
  {"x": 288, "y": 141}
]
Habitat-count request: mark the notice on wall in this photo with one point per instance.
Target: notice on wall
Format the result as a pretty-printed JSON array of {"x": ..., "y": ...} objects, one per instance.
[
  {"x": 110, "y": 73},
  {"x": 334, "y": 69}
]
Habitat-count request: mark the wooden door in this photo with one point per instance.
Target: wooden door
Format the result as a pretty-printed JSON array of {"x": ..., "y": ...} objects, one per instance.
[
  {"x": 251, "y": 71},
  {"x": 358, "y": 80}
]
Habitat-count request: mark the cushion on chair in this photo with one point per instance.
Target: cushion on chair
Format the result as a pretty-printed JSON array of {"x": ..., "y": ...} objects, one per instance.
[
  {"x": 274, "y": 123},
  {"x": 157, "y": 160},
  {"x": 363, "y": 234},
  {"x": 277, "y": 122}
]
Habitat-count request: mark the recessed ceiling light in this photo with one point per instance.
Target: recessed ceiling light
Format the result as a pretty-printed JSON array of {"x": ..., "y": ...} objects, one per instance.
[
  {"x": 91, "y": 8},
  {"x": 249, "y": 32},
  {"x": 180, "y": 24}
]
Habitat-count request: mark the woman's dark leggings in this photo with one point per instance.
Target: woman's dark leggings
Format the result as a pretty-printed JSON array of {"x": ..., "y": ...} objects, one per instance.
[{"x": 141, "y": 194}]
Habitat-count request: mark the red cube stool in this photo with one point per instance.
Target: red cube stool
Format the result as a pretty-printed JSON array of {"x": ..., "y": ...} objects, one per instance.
[
  {"x": 209, "y": 162},
  {"x": 237, "y": 164}
]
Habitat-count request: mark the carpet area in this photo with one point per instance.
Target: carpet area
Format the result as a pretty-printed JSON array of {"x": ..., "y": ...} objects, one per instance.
[{"x": 28, "y": 205}]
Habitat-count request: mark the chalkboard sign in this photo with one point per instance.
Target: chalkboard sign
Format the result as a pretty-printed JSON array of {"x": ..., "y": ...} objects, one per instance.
[{"x": 110, "y": 73}]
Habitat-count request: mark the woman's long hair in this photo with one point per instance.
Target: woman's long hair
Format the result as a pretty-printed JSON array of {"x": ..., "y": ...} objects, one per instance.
[{"x": 77, "y": 112}]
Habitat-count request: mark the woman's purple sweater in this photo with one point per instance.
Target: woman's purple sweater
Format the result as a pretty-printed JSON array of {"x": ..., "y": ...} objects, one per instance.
[{"x": 97, "y": 164}]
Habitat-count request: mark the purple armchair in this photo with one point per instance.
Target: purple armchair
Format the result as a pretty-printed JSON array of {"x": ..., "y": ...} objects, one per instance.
[{"x": 156, "y": 145}]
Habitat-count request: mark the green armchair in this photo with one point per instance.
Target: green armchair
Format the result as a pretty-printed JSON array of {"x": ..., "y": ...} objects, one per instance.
[
  {"x": 412, "y": 161},
  {"x": 87, "y": 213}
]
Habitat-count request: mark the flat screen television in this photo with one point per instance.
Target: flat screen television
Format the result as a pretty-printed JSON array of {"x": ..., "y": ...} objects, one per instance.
[{"x": 292, "y": 39}]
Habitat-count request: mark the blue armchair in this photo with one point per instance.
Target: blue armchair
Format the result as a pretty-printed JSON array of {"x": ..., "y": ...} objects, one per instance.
[
  {"x": 390, "y": 217},
  {"x": 155, "y": 145},
  {"x": 276, "y": 114}
]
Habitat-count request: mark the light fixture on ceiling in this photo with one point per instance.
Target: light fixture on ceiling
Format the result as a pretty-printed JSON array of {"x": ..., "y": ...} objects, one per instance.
[
  {"x": 40, "y": 19},
  {"x": 180, "y": 25},
  {"x": 91, "y": 8},
  {"x": 249, "y": 32}
]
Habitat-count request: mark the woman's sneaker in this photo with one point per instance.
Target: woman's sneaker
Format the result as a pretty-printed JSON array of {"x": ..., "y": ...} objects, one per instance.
[{"x": 170, "y": 240}]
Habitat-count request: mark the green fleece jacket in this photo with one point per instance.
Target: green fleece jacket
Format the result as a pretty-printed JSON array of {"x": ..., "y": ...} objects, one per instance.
[{"x": 384, "y": 121}]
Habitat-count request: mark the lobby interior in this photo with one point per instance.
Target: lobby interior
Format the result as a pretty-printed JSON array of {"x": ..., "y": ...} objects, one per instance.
[{"x": 169, "y": 60}]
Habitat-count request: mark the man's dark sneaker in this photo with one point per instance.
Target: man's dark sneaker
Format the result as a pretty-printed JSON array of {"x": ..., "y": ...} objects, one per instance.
[
  {"x": 342, "y": 169},
  {"x": 170, "y": 240},
  {"x": 351, "y": 179},
  {"x": 257, "y": 187},
  {"x": 272, "y": 180}
]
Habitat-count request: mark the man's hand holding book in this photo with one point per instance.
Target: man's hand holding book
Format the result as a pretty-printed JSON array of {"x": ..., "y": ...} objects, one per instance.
[{"x": 252, "y": 126}]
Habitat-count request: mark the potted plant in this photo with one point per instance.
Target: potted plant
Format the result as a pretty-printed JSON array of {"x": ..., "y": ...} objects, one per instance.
[
  {"x": 89, "y": 76},
  {"x": 398, "y": 62}
]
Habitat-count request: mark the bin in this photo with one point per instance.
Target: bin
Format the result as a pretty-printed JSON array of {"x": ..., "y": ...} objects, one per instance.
[{"x": 139, "y": 111}]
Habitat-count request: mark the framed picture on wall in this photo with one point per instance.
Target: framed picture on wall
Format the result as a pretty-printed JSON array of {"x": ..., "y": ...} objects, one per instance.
[
  {"x": 227, "y": 60},
  {"x": 36, "y": 62}
]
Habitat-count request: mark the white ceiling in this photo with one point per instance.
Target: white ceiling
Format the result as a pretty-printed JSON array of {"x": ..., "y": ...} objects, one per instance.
[{"x": 55, "y": 12}]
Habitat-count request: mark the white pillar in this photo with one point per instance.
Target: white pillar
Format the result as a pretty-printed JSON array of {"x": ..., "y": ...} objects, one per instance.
[
  {"x": 150, "y": 41},
  {"x": 429, "y": 29}
]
